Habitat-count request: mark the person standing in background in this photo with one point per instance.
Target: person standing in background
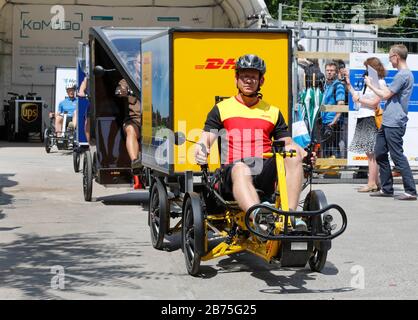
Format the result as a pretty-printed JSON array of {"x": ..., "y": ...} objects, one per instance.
[
  {"x": 364, "y": 139},
  {"x": 395, "y": 118},
  {"x": 334, "y": 94}
]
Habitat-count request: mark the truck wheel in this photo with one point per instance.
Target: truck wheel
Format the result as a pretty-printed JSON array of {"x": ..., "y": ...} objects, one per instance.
[
  {"x": 76, "y": 160},
  {"x": 47, "y": 140},
  {"x": 87, "y": 176},
  {"x": 158, "y": 214},
  {"x": 192, "y": 235}
]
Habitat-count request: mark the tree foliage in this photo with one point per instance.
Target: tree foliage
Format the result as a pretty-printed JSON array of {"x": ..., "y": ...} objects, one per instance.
[{"x": 379, "y": 12}]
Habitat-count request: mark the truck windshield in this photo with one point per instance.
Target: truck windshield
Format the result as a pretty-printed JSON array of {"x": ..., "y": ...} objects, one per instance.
[
  {"x": 129, "y": 51},
  {"x": 127, "y": 42}
]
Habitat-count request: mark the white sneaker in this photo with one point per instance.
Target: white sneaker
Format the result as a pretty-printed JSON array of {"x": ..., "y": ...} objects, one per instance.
[
  {"x": 300, "y": 225},
  {"x": 260, "y": 220}
]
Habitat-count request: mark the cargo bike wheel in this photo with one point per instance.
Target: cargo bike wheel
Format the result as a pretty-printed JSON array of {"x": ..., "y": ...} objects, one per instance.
[
  {"x": 76, "y": 159},
  {"x": 316, "y": 200},
  {"x": 193, "y": 234},
  {"x": 158, "y": 213},
  {"x": 47, "y": 140},
  {"x": 87, "y": 176}
]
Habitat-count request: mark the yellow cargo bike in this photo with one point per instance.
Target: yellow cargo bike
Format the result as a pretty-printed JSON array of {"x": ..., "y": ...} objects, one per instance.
[{"x": 184, "y": 72}]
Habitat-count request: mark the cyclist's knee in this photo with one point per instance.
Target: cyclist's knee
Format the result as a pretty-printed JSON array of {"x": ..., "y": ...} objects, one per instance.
[{"x": 240, "y": 171}]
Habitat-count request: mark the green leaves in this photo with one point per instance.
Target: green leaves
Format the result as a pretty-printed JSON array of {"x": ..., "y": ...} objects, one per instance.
[{"x": 381, "y": 12}]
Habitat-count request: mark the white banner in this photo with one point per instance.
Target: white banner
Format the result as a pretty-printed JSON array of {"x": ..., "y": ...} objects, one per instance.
[
  {"x": 357, "y": 69},
  {"x": 46, "y": 37},
  {"x": 63, "y": 76}
]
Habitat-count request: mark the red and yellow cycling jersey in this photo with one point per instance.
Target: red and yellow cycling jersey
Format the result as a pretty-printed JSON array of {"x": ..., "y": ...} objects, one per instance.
[{"x": 248, "y": 130}]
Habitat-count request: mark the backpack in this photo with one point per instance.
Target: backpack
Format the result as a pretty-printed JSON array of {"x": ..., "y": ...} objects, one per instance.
[{"x": 334, "y": 92}]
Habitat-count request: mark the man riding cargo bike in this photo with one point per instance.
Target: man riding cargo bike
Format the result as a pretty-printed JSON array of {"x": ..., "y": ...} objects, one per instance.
[
  {"x": 250, "y": 125},
  {"x": 259, "y": 160}
]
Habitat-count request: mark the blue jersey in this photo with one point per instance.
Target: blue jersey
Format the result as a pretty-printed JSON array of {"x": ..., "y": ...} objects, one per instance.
[
  {"x": 67, "y": 105},
  {"x": 333, "y": 93}
]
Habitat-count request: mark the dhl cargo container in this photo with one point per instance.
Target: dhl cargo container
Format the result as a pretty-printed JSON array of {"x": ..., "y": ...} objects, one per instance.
[{"x": 184, "y": 71}]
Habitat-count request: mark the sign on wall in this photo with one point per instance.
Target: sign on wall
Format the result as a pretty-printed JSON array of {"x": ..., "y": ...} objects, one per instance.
[
  {"x": 63, "y": 76},
  {"x": 45, "y": 37}
]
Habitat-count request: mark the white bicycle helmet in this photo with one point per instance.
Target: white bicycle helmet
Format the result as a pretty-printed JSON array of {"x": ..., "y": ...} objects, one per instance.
[{"x": 71, "y": 85}]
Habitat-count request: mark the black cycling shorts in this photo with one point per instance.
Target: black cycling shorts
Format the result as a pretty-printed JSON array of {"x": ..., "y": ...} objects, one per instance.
[{"x": 263, "y": 172}]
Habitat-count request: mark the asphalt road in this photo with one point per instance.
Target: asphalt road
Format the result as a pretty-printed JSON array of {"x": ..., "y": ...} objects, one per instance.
[{"x": 53, "y": 245}]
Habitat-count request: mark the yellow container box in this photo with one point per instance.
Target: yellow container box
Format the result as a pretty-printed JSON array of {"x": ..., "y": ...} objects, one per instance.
[{"x": 183, "y": 73}]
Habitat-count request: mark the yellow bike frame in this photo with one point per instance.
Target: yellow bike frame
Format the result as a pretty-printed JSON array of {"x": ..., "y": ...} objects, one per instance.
[{"x": 264, "y": 249}]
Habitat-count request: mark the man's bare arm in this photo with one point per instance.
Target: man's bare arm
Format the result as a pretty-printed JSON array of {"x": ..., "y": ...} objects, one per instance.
[{"x": 207, "y": 139}]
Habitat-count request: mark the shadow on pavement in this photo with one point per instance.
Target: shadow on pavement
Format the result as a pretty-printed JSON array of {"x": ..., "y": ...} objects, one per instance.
[
  {"x": 88, "y": 263},
  {"x": 172, "y": 242},
  {"x": 64, "y": 152},
  {"x": 20, "y": 144},
  {"x": 129, "y": 199},
  {"x": 5, "y": 182},
  {"x": 5, "y": 198},
  {"x": 9, "y": 229},
  {"x": 278, "y": 284}
]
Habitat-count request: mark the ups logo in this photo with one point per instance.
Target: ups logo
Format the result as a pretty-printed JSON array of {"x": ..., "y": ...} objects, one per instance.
[{"x": 29, "y": 112}]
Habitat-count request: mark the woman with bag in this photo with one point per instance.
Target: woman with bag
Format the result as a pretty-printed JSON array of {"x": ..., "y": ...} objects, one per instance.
[{"x": 367, "y": 124}]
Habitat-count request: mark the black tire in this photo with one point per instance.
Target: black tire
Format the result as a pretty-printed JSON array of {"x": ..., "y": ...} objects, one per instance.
[
  {"x": 87, "y": 176},
  {"x": 158, "y": 214},
  {"x": 317, "y": 260},
  {"x": 76, "y": 160},
  {"x": 95, "y": 162},
  {"x": 316, "y": 200},
  {"x": 47, "y": 140},
  {"x": 192, "y": 235}
]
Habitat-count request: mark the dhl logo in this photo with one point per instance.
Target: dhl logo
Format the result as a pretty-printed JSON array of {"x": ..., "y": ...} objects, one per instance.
[
  {"x": 29, "y": 112},
  {"x": 217, "y": 64},
  {"x": 360, "y": 158}
]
